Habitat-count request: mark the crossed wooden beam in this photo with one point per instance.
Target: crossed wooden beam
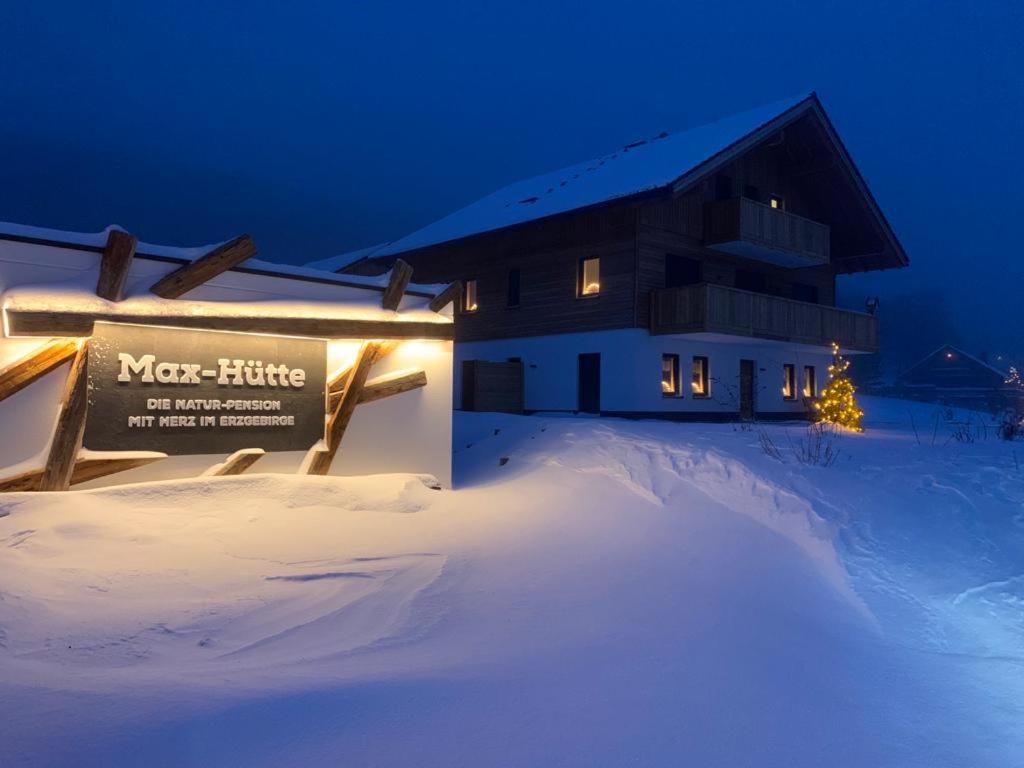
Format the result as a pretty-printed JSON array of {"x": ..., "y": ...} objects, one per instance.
[{"x": 65, "y": 465}]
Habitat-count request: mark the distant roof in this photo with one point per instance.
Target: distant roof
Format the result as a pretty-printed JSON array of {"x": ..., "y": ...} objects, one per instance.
[
  {"x": 335, "y": 263},
  {"x": 642, "y": 166},
  {"x": 950, "y": 348}
]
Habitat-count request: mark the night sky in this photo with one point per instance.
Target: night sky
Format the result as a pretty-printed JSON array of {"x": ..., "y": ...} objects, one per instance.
[{"x": 340, "y": 125}]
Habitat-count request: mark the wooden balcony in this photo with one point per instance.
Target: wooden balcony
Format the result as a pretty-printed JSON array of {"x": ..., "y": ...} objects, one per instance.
[
  {"x": 747, "y": 228},
  {"x": 706, "y": 308}
]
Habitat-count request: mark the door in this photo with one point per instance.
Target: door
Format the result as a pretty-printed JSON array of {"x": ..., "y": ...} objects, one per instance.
[
  {"x": 589, "y": 389},
  {"x": 748, "y": 382}
]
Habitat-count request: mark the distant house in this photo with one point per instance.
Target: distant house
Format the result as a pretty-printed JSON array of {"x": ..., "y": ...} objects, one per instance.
[
  {"x": 688, "y": 275},
  {"x": 952, "y": 377}
]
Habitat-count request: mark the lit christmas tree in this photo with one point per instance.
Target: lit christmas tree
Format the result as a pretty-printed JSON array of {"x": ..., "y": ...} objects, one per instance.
[{"x": 837, "y": 404}]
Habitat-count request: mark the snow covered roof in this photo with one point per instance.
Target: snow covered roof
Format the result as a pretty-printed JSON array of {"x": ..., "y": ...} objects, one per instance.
[
  {"x": 950, "y": 348},
  {"x": 642, "y": 166},
  {"x": 95, "y": 241},
  {"x": 335, "y": 263}
]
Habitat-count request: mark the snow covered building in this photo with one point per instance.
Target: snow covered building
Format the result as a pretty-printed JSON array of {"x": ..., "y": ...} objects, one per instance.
[
  {"x": 688, "y": 275},
  {"x": 123, "y": 361},
  {"x": 951, "y": 376}
]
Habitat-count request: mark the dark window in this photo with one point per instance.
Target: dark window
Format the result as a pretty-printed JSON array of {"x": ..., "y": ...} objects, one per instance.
[
  {"x": 723, "y": 187},
  {"x": 789, "y": 381},
  {"x": 701, "y": 383},
  {"x": 748, "y": 280},
  {"x": 804, "y": 292},
  {"x": 681, "y": 270},
  {"x": 670, "y": 376},
  {"x": 513, "y": 287},
  {"x": 810, "y": 383},
  {"x": 588, "y": 277},
  {"x": 469, "y": 296},
  {"x": 515, "y": 359},
  {"x": 752, "y": 193}
]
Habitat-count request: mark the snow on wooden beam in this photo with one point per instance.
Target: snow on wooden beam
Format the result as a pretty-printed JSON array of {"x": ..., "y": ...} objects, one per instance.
[
  {"x": 67, "y": 438},
  {"x": 57, "y": 322},
  {"x": 446, "y": 297},
  {"x": 319, "y": 460},
  {"x": 85, "y": 469},
  {"x": 236, "y": 463},
  {"x": 219, "y": 260},
  {"x": 114, "y": 265},
  {"x": 36, "y": 364},
  {"x": 401, "y": 274},
  {"x": 386, "y": 386}
]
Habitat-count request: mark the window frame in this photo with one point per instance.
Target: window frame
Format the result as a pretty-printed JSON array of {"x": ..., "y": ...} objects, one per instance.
[
  {"x": 812, "y": 380},
  {"x": 677, "y": 384},
  {"x": 580, "y": 273},
  {"x": 701, "y": 363},
  {"x": 789, "y": 381},
  {"x": 466, "y": 309}
]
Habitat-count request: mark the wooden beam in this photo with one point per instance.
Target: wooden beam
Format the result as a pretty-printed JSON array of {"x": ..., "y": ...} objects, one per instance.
[
  {"x": 446, "y": 297},
  {"x": 336, "y": 384},
  {"x": 85, "y": 469},
  {"x": 401, "y": 274},
  {"x": 114, "y": 265},
  {"x": 320, "y": 463},
  {"x": 205, "y": 268},
  {"x": 67, "y": 437},
  {"x": 58, "y": 322},
  {"x": 38, "y": 363},
  {"x": 236, "y": 463},
  {"x": 385, "y": 386}
]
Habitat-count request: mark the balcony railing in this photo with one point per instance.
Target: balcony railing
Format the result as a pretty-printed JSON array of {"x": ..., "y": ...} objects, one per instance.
[
  {"x": 706, "y": 308},
  {"x": 745, "y": 227}
]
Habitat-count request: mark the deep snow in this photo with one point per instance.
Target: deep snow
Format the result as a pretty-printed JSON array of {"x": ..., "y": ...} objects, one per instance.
[{"x": 615, "y": 593}]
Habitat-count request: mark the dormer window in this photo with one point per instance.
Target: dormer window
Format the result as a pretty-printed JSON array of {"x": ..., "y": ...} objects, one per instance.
[
  {"x": 588, "y": 281},
  {"x": 777, "y": 201},
  {"x": 469, "y": 296}
]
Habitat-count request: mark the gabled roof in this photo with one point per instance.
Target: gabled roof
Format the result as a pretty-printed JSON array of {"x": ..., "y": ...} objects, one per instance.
[
  {"x": 663, "y": 163},
  {"x": 339, "y": 262},
  {"x": 956, "y": 351}
]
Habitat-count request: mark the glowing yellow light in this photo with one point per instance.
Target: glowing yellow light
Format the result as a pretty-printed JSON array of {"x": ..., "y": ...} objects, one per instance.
[
  {"x": 837, "y": 404},
  {"x": 591, "y": 288}
]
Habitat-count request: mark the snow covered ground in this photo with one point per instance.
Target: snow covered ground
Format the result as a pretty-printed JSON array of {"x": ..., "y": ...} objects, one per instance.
[{"x": 615, "y": 593}]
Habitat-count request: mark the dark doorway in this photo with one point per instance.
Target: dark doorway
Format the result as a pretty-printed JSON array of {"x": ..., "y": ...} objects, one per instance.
[
  {"x": 590, "y": 382},
  {"x": 748, "y": 280},
  {"x": 748, "y": 383},
  {"x": 681, "y": 270}
]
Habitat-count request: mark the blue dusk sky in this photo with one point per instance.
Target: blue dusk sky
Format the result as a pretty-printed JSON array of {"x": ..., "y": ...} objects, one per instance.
[{"x": 325, "y": 126}]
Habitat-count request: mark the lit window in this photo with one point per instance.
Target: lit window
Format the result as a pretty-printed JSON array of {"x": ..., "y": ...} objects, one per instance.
[
  {"x": 777, "y": 201},
  {"x": 701, "y": 385},
  {"x": 810, "y": 384},
  {"x": 670, "y": 376},
  {"x": 589, "y": 279},
  {"x": 469, "y": 296},
  {"x": 789, "y": 381}
]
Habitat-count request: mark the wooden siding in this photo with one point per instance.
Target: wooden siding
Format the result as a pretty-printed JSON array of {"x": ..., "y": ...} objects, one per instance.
[{"x": 708, "y": 308}]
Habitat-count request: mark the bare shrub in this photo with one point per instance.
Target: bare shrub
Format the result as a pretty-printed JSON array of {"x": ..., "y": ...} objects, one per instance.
[
  {"x": 817, "y": 448},
  {"x": 768, "y": 447}
]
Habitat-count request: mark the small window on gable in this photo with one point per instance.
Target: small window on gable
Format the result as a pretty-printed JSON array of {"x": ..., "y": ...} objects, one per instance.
[
  {"x": 513, "y": 287},
  {"x": 777, "y": 201},
  {"x": 789, "y": 381},
  {"x": 469, "y": 296},
  {"x": 810, "y": 383},
  {"x": 670, "y": 376},
  {"x": 701, "y": 384},
  {"x": 588, "y": 281}
]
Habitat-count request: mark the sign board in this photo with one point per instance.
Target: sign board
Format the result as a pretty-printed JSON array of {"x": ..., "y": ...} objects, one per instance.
[{"x": 183, "y": 391}]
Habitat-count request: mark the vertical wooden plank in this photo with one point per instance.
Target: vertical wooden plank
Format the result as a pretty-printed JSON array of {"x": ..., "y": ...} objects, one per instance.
[
  {"x": 114, "y": 265},
  {"x": 67, "y": 438},
  {"x": 320, "y": 463},
  {"x": 401, "y": 274}
]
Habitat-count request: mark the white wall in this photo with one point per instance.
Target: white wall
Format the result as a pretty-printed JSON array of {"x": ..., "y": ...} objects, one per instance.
[
  {"x": 410, "y": 432},
  {"x": 631, "y": 369}
]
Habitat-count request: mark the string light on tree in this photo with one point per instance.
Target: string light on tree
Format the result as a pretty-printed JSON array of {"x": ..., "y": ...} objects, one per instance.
[
  {"x": 837, "y": 403},
  {"x": 1014, "y": 379}
]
